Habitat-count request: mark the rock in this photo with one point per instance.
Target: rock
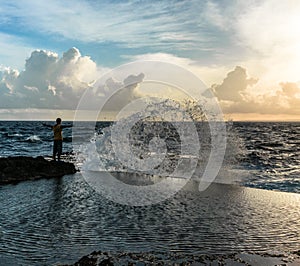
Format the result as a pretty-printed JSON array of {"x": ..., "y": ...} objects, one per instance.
[
  {"x": 98, "y": 258},
  {"x": 16, "y": 169},
  {"x": 297, "y": 252},
  {"x": 86, "y": 261},
  {"x": 106, "y": 262}
]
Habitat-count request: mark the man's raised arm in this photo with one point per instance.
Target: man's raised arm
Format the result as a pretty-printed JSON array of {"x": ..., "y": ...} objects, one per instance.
[{"x": 47, "y": 125}]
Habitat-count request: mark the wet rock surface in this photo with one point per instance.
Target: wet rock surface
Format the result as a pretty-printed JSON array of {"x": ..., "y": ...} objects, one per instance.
[
  {"x": 145, "y": 258},
  {"x": 16, "y": 169}
]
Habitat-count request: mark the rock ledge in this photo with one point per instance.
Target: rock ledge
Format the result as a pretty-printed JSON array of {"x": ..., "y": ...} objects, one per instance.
[
  {"x": 98, "y": 258},
  {"x": 16, "y": 169}
]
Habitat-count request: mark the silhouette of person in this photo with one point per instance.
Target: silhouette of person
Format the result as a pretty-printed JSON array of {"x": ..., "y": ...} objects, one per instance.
[{"x": 58, "y": 138}]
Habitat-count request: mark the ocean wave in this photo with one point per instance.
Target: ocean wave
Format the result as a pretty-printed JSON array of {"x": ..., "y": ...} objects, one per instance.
[{"x": 33, "y": 138}]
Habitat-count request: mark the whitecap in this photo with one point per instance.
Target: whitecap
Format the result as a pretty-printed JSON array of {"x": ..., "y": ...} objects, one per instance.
[{"x": 33, "y": 138}]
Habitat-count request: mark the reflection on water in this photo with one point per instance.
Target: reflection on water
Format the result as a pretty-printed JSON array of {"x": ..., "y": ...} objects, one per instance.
[{"x": 60, "y": 220}]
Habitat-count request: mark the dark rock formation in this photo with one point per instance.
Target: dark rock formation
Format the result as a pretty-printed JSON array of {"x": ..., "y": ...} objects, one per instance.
[
  {"x": 16, "y": 169},
  {"x": 98, "y": 258}
]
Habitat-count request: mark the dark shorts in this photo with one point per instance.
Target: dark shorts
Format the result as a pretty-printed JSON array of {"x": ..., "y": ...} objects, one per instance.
[{"x": 57, "y": 147}]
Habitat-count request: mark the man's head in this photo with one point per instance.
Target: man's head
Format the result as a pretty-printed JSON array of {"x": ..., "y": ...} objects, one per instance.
[{"x": 58, "y": 120}]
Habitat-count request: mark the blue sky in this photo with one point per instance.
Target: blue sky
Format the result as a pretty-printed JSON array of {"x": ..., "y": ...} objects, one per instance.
[
  {"x": 227, "y": 43},
  {"x": 110, "y": 30}
]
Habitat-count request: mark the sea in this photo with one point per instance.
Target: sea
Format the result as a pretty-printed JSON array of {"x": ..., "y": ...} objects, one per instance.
[{"x": 251, "y": 206}]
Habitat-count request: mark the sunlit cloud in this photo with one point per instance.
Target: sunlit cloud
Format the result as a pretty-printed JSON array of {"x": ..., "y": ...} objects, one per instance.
[
  {"x": 237, "y": 94},
  {"x": 270, "y": 31},
  {"x": 234, "y": 86}
]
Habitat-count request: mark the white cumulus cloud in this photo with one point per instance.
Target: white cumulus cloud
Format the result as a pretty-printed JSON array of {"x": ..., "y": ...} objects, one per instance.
[{"x": 52, "y": 82}]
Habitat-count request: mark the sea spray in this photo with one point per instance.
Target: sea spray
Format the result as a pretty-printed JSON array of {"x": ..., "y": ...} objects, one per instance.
[{"x": 157, "y": 137}]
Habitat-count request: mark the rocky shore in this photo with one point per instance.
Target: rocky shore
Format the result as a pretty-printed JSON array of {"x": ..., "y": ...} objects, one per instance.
[
  {"x": 145, "y": 258},
  {"x": 16, "y": 169}
]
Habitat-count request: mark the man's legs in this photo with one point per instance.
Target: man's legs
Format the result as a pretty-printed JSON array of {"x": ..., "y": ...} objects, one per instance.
[
  {"x": 54, "y": 149},
  {"x": 59, "y": 149}
]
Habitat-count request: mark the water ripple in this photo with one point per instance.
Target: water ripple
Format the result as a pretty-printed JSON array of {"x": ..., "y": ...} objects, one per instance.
[{"x": 60, "y": 220}]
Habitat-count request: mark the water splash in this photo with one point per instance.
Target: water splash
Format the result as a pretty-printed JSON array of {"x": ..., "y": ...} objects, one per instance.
[
  {"x": 157, "y": 136},
  {"x": 132, "y": 149}
]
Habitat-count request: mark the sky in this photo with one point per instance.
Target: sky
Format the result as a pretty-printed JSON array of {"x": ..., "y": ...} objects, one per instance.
[{"x": 246, "y": 52}]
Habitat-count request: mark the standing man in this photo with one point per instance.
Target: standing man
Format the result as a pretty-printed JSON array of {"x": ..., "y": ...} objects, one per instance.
[{"x": 58, "y": 138}]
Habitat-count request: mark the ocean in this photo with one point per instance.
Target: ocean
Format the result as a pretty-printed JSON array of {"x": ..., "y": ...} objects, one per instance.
[
  {"x": 252, "y": 205},
  {"x": 268, "y": 151}
]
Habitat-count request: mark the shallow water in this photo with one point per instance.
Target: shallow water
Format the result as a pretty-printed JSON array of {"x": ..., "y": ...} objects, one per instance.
[{"x": 53, "y": 221}]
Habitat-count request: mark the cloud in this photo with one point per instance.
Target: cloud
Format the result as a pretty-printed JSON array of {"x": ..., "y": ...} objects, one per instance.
[
  {"x": 269, "y": 33},
  {"x": 181, "y": 25},
  {"x": 213, "y": 32},
  {"x": 49, "y": 81},
  {"x": 116, "y": 94},
  {"x": 234, "y": 85},
  {"x": 238, "y": 94},
  {"x": 54, "y": 82},
  {"x": 277, "y": 21},
  {"x": 163, "y": 57}
]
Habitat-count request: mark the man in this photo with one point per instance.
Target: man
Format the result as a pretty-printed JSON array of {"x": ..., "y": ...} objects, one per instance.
[{"x": 57, "y": 134}]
